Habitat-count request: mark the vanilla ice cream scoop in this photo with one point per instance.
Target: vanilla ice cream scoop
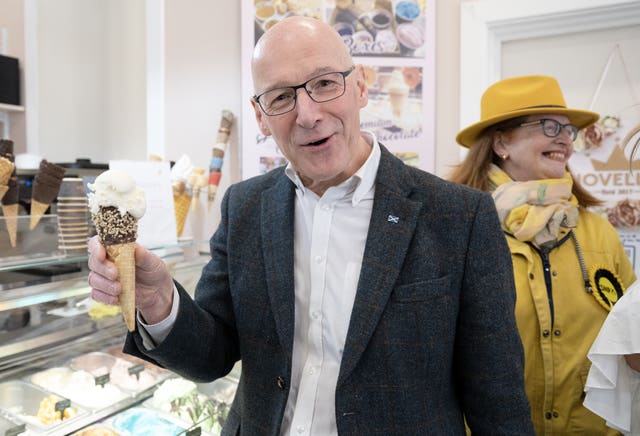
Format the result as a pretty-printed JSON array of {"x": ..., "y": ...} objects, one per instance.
[{"x": 118, "y": 189}]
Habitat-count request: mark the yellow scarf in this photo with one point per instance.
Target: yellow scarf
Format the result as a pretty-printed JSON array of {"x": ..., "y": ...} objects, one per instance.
[{"x": 534, "y": 210}]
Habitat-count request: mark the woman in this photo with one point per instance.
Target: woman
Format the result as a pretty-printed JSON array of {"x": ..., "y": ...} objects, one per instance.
[{"x": 569, "y": 264}]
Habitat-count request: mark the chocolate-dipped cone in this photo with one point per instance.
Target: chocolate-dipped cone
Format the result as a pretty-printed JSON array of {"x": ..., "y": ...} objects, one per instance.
[
  {"x": 46, "y": 185},
  {"x": 118, "y": 234}
]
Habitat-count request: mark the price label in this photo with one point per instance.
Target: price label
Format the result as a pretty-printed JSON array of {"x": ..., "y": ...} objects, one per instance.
[
  {"x": 61, "y": 406},
  {"x": 136, "y": 370},
  {"x": 14, "y": 431},
  {"x": 102, "y": 380}
]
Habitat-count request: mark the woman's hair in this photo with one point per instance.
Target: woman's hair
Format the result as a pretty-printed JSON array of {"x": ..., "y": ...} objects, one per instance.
[{"x": 474, "y": 170}]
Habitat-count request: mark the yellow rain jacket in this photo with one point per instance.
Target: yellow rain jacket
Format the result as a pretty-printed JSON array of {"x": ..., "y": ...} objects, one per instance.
[{"x": 557, "y": 329}]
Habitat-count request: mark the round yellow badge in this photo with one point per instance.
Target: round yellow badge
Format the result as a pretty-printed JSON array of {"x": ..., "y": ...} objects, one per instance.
[{"x": 607, "y": 286}]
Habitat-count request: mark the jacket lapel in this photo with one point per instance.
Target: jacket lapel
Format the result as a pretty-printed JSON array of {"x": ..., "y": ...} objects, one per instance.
[
  {"x": 277, "y": 226},
  {"x": 391, "y": 229}
]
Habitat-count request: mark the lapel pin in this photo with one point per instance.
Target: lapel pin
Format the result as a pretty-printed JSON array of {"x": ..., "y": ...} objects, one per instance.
[{"x": 393, "y": 219}]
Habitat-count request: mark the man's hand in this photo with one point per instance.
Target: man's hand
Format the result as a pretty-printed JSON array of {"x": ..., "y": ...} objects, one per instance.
[{"x": 154, "y": 286}]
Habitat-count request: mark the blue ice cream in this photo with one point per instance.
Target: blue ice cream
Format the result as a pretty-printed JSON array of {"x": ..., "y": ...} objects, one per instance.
[{"x": 142, "y": 422}]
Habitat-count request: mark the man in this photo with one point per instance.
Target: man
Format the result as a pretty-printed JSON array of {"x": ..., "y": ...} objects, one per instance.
[{"x": 362, "y": 296}]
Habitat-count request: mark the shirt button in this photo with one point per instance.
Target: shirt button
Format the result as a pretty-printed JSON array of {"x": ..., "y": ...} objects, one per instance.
[
  {"x": 326, "y": 208},
  {"x": 315, "y": 315},
  {"x": 280, "y": 382},
  {"x": 300, "y": 429},
  {"x": 547, "y": 415},
  {"x": 557, "y": 332},
  {"x": 545, "y": 333},
  {"x": 312, "y": 370},
  {"x": 318, "y": 259},
  {"x": 531, "y": 276},
  {"x": 556, "y": 414},
  {"x": 554, "y": 273}
]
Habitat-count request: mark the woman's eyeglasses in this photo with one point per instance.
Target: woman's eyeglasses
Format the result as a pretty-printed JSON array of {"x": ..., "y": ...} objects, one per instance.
[{"x": 552, "y": 128}]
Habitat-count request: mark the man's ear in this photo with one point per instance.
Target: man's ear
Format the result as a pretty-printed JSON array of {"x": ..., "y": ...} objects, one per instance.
[
  {"x": 260, "y": 119},
  {"x": 361, "y": 83}
]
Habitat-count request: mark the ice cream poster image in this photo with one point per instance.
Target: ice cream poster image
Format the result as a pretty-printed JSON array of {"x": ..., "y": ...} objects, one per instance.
[
  {"x": 394, "y": 111},
  {"x": 116, "y": 205}
]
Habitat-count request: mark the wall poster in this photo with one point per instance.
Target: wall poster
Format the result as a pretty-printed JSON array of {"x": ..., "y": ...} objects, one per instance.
[
  {"x": 603, "y": 161},
  {"x": 393, "y": 39}
]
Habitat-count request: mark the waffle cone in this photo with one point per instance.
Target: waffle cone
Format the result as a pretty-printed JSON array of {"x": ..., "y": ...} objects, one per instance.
[
  {"x": 37, "y": 210},
  {"x": 181, "y": 205},
  {"x": 10, "y": 212},
  {"x": 6, "y": 169},
  {"x": 124, "y": 258},
  {"x": 3, "y": 190}
]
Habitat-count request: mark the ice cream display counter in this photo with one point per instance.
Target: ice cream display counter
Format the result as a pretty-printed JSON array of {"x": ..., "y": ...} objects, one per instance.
[{"x": 62, "y": 371}]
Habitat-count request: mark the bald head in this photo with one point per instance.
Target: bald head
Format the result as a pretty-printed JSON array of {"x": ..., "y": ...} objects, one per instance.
[{"x": 296, "y": 40}]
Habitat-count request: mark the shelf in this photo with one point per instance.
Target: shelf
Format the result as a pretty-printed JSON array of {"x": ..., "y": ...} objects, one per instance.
[
  {"x": 31, "y": 261},
  {"x": 11, "y": 108}
]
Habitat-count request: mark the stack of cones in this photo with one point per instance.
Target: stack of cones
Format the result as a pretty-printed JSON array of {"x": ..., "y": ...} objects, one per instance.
[
  {"x": 73, "y": 216},
  {"x": 46, "y": 185},
  {"x": 215, "y": 166},
  {"x": 10, "y": 196}
]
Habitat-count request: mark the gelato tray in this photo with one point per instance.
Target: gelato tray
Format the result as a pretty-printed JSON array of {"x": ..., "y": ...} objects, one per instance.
[
  {"x": 139, "y": 421},
  {"x": 10, "y": 426},
  {"x": 80, "y": 386},
  {"x": 38, "y": 408},
  {"x": 183, "y": 400},
  {"x": 122, "y": 373}
]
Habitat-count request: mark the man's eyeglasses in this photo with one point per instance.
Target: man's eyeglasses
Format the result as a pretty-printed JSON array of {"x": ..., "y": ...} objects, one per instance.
[
  {"x": 322, "y": 88},
  {"x": 552, "y": 128}
]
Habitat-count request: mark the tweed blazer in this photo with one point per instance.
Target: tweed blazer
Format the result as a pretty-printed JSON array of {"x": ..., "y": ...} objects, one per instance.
[{"x": 432, "y": 337}]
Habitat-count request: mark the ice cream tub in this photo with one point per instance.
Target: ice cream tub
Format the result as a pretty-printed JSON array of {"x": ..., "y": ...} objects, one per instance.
[
  {"x": 184, "y": 400},
  {"x": 82, "y": 387},
  {"x": 38, "y": 408},
  {"x": 122, "y": 373},
  {"x": 140, "y": 421},
  {"x": 117, "y": 352}
]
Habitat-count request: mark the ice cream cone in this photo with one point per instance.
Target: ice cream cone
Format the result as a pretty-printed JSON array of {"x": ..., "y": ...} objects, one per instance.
[
  {"x": 123, "y": 255},
  {"x": 37, "y": 210},
  {"x": 10, "y": 212},
  {"x": 6, "y": 170},
  {"x": 181, "y": 204},
  {"x": 3, "y": 190}
]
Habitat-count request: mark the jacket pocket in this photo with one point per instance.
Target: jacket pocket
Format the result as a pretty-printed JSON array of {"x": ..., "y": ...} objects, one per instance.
[{"x": 422, "y": 290}]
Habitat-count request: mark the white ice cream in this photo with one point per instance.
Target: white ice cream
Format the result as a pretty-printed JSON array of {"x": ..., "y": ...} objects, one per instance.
[{"x": 116, "y": 188}]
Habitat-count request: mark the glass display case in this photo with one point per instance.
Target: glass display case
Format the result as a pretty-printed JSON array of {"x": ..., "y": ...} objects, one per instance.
[{"x": 61, "y": 366}]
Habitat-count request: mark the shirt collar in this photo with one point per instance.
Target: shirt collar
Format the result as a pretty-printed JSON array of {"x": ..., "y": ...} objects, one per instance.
[{"x": 363, "y": 179}]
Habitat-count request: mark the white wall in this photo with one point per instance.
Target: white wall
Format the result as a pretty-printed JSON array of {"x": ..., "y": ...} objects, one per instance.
[
  {"x": 578, "y": 61},
  {"x": 90, "y": 80}
]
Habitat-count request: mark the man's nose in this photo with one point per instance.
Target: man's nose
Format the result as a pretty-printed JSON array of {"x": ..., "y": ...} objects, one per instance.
[{"x": 306, "y": 108}]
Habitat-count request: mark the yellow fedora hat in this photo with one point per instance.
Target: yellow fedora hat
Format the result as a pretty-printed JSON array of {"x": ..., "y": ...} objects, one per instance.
[{"x": 518, "y": 96}]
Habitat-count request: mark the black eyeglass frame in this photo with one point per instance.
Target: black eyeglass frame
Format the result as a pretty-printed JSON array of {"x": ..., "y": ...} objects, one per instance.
[
  {"x": 573, "y": 131},
  {"x": 344, "y": 74}
]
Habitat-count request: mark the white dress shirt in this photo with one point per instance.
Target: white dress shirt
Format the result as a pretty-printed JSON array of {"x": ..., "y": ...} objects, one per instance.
[{"x": 330, "y": 235}]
